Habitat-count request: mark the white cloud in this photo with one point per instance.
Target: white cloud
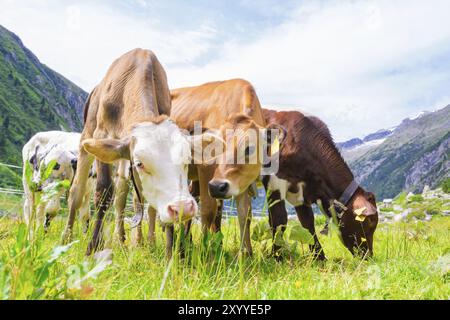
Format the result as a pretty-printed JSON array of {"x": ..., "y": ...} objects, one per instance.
[
  {"x": 81, "y": 40},
  {"x": 361, "y": 65}
]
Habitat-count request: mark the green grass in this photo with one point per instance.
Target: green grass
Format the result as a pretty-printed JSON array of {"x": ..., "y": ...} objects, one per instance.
[
  {"x": 411, "y": 262},
  {"x": 446, "y": 185}
]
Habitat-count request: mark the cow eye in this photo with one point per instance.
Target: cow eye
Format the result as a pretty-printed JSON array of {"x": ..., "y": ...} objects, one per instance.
[
  {"x": 57, "y": 167},
  {"x": 249, "y": 151},
  {"x": 139, "y": 165}
]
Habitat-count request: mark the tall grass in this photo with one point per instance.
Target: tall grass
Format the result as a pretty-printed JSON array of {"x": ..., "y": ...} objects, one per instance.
[{"x": 411, "y": 262}]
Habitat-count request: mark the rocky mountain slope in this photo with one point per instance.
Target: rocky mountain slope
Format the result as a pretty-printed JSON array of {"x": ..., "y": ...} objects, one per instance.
[
  {"x": 32, "y": 98},
  {"x": 406, "y": 158}
]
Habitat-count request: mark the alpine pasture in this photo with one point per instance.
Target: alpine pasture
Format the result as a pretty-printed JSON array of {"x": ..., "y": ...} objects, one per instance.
[{"x": 411, "y": 261}]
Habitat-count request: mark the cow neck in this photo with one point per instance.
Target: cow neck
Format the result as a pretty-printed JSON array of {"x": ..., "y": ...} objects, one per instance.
[{"x": 329, "y": 165}]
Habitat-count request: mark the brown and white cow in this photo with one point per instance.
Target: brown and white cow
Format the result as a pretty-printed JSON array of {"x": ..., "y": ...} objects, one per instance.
[
  {"x": 224, "y": 107},
  {"x": 126, "y": 119},
  {"x": 311, "y": 169}
]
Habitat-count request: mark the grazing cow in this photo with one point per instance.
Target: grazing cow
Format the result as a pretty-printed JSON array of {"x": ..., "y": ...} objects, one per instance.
[
  {"x": 60, "y": 148},
  {"x": 311, "y": 169},
  {"x": 126, "y": 118},
  {"x": 223, "y": 106}
]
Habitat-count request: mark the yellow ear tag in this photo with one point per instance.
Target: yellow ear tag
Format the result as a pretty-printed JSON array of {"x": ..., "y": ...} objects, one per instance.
[
  {"x": 275, "y": 148},
  {"x": 360, "y": 214}
]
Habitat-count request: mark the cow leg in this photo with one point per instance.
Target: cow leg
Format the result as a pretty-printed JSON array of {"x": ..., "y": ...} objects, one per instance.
[
  {"x": 169, "y": 240},
  {"x": 151, "y": 237},
  {"x": 77, "y": 192},
  {"x": 28, "y": 203},
  {"x": 120, "y": 200},
  {"x": 103, "y": 197},
  {"x": 85, "y": 214},
  {"x": 306, "y": 216},
  {"x": 40, "y": 216},
  {"x": 326, "y": 229},
  {"x": 138, "y": 207},
  {"x": 85, "y": 210},
  {"x": 245, "y": 218},
  {"x": 195, "y": 192},
  {"x": 48, "y": 219},
  {"x": 278, "y": 218},
  {"x": 327, "y": 214},
  {"x": 208, "y": 204},
  {"x": 218, "y": 220},
  {"x": 27, "y": 211},
  {"x": 187, "y": 231},
  {"x": 47, "y": 222}
]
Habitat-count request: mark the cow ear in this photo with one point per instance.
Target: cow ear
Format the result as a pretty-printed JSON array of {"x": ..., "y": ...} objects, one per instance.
[
  {"x": 276, "y": 134},
  {"x": 34, "y": 161},
  {"x": 108, "y": 150}
]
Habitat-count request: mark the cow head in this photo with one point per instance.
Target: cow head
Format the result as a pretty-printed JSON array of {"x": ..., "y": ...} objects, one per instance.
[
  {"x": 63, "y": 169},
  {"x": 62, "y": 162},
  {"x": 159, "y": 152},
  {"x": 358, "y": 223},
  {"x": 243, "y": 156}
]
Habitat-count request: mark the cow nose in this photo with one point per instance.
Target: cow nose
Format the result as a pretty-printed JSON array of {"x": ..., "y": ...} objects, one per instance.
[
  {"x": 182, "y": 210},
  {"x": 219, "y": 189}
]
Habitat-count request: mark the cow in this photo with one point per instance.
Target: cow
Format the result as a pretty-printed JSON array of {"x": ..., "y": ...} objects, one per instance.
[
  {"x": 126, "y": 119},
  {"x": 221, "y": 107},
  {"x": 311, "y": 170},
  {"x": 61, "y": 149}
]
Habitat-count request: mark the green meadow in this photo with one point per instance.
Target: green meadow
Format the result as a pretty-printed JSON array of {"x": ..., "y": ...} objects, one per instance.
[{"x": 412, "y": 261}]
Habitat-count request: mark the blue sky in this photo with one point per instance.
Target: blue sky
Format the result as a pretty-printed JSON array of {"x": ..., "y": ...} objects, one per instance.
[{"x": 360, "y": 65}]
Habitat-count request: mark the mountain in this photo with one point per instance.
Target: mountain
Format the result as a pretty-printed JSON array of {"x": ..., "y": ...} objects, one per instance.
[
  {"x": 405, "y": 158},
  {"x": 33, "y": 98},
  {"x": 355, "y": 148}
]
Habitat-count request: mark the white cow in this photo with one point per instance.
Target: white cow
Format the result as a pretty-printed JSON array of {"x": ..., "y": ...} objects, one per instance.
[{"x": 39, "y": 152}]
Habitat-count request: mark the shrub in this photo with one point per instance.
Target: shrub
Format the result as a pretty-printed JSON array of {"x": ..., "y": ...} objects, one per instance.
[
  {"x": 401, "y": 198},
  {"x": 446, "y": 185},
  {"x": 418, "y": 214},
  {"x": 433, "y": 209},
  {"x": 416, "y": 198}
]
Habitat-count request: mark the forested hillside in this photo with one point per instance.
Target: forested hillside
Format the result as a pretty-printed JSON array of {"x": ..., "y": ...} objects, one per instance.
[{"x": 33, "y": 98}]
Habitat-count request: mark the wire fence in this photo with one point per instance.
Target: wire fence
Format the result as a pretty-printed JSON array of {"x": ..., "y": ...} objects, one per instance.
[
  {"x": 10, "y": 166},
  {"x": 231, "y": 210},
  {"x": 6, "y": 189},
  {"x": 11, "y": 191}
]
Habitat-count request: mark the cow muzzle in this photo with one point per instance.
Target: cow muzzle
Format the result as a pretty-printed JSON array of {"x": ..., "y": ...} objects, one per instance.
[
  {"x": 182, "y": 211},
  {"x": 219, "y": 189}
]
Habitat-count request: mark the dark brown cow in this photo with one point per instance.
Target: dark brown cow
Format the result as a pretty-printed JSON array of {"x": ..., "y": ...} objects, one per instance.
[{"x": 312, "y": 170}]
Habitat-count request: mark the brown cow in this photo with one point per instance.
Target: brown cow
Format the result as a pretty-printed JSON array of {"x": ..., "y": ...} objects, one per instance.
[
  {"x": 311, "y": 170},
  {"x": 126, "y": 119},
  {"x": 224, "y": 106}
]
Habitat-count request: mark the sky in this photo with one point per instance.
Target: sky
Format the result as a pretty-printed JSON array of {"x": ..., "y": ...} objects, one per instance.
[{"x": 359, "y": 65}]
